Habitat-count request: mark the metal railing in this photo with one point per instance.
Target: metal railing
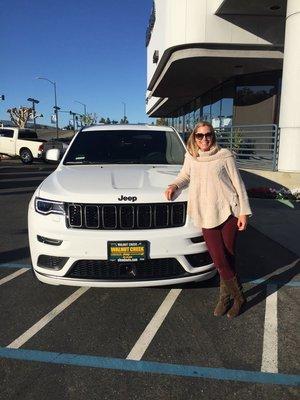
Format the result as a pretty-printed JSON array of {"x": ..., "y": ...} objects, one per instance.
[{"x": 255, "y": 146}]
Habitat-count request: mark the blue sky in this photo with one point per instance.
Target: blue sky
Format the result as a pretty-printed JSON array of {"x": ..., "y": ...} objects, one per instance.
[{"x": 94, "y": 50}]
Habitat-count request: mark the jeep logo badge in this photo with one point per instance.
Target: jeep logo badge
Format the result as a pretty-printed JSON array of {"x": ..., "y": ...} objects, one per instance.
[{"x": 127, "y": 198}]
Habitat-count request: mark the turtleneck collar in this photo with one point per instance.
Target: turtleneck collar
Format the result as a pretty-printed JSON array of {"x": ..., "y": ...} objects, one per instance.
[
  {"x": 215, "y": 153},
  {"x": 213, "y": 150}
]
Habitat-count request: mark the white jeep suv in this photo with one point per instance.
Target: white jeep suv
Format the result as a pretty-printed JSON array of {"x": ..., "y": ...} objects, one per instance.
[{"x": 101, "y": 218}]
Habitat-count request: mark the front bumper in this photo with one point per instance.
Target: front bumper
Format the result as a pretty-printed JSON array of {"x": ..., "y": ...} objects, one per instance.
[{"x": 79, "y": 245}]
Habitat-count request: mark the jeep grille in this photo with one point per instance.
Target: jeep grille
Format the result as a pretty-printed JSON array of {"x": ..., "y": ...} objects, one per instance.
[{"x": 126, "y": 216}]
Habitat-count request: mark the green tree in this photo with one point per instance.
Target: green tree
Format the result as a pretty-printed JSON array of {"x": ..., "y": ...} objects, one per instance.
[
  {"x": 88, "y": 119},
  {"x": 161, "y": 122},
  {"x": 124, "y": 120}
]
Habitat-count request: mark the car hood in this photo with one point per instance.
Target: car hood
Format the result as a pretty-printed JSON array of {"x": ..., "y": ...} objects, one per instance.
[{"x": 110, "y": 183}]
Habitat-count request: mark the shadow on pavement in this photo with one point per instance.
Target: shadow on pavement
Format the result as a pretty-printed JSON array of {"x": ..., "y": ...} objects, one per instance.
[
  {"x": 278, "y": 279},
  {"x": 14, "y": 255}
]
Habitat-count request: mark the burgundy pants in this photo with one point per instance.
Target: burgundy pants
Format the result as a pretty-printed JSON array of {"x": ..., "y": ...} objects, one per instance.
[{"x": 220, "y": 242}]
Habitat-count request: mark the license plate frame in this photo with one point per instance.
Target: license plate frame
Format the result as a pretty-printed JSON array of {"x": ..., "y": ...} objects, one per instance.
[{"x": 127, "y": 251}]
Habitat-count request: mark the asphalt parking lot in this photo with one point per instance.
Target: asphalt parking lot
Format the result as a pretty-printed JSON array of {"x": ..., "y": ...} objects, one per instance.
[{"x": 142, "y": 343}]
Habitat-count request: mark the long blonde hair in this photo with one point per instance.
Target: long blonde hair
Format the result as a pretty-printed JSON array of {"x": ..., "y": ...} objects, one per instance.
[{"x": 191, "y": 142}]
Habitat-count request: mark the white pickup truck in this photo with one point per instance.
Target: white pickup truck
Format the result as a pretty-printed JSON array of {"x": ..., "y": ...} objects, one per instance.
[
  {"x": 101, "y": 218},
  {"x": 20, "y": 142}
]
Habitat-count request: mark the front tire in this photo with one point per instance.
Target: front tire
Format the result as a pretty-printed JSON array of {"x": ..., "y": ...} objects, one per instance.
[{"x": 26, "y": 156}]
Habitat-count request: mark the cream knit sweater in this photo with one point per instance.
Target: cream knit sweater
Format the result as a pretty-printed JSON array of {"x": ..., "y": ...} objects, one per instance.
[{"x": 216, "y": 189}]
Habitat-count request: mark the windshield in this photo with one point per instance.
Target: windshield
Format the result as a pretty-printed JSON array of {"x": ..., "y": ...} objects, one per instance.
[
  {"x": 126, "y": 147},
  {"x": 27, "y": 134}
]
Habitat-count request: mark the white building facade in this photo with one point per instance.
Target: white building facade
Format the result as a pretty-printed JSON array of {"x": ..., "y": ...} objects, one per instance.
[{"x": 233, "y": 62}]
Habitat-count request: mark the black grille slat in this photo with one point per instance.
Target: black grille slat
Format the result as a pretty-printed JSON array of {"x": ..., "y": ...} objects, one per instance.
[
  {"x": 91, "y": 216},
  {"x": 109, "y": 217},
  {"x": 178, "y": 214},
  {"x": 126, "y": 216},
  {"x": 167, "y": 268},
  {"x": 161, "y": 215},
  {"x": 75, "y": 215},
  {"x": 144, "y": 216}
]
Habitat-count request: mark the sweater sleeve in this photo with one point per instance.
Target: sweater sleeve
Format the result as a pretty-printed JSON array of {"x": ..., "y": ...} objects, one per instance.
[
  {"x": 239, "y": 186},
  {"x": 183, "y": 178}
]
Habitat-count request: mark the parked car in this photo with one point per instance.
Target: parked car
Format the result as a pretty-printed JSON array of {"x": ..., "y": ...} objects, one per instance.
[
  {"x": 23, "y": 143},
  {"x": 101, "y": 218},
  {"x": 61, "y": 144}
]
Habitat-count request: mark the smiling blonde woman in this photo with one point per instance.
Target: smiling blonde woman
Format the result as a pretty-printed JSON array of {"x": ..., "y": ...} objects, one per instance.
[{"x": 218, "y": 204}]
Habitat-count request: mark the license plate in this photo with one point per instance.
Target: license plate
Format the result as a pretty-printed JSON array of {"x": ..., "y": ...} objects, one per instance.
[{"x": 127, "y": 251}]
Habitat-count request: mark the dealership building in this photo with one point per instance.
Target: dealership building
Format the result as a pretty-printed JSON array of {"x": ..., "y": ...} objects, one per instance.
[{"x": 235, "y": 63}]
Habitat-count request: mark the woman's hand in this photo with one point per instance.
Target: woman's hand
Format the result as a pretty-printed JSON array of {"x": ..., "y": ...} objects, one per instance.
[
  {"x": 170, "y": 191},
  {"x": 242, "y": 222}
]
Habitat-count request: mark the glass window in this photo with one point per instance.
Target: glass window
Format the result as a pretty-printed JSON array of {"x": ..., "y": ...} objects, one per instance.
[
  {"x": 188, "y": 122},
  {"x": 27, "y": 134},
  {"x": 216, "y": 107},
  {"x": 126, "y": 147},
  {"x": 206, "y": 110},
  {"x": 197, "y": 116},
  {"x": 253, "y": 94},
  {"x": 227, "y": 104},
  {"x": 6, "y": 133}
]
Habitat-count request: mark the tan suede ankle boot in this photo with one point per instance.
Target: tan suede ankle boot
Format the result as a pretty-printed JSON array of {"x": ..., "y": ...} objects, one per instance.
[
  {"x": 224, "y": 300},
  {"x": 236, "y": 292}
]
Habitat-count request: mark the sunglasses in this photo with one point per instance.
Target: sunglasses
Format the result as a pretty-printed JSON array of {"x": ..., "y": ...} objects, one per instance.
[{"x": 201, "y": 136}]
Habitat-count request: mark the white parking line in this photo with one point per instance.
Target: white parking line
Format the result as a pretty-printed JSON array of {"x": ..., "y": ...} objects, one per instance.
[
  {"x": 270, "y": 342},
  {"x": 146, "y": 337},
  {"x": 46, "y": 319},
  {"x": 13, "y": 275}
]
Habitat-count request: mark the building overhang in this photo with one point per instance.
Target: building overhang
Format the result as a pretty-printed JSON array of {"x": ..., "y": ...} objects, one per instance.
[
  {"x": 190, "y": 72},
  {"x": 167, "y": 107},
  {"x": 253, "y": 7},
  {"x": 193, "y": 71}
]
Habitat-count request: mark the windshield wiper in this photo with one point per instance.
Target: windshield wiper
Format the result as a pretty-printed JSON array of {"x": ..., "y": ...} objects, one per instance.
[
  {"x": 81, "y": 162},
  {"x": 102, "y": 162},
  {"x": 121, "y": 162}
]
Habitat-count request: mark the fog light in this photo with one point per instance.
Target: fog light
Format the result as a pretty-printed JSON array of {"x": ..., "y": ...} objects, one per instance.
[
  {"x": 198, "y": 239},
  {"x": 199, "y": 259},
  {"x": 53, "y": 242},
  {"x": 51, "y": 262}
]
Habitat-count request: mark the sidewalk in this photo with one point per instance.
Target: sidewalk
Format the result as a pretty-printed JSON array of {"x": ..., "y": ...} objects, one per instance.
[{"x": 277, "y": 221}]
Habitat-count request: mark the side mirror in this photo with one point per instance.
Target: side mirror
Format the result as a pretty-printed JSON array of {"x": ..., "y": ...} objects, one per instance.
[{"x": 53, "y": 155}]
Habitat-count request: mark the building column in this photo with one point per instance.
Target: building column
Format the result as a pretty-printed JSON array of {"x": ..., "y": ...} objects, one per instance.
[{"x": 289, "y": 120}]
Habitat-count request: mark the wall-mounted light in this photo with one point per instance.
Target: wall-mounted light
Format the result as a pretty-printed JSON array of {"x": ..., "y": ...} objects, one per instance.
[
  {"x": 275, "y": 7},
  {"x": 155, "y": 56}
]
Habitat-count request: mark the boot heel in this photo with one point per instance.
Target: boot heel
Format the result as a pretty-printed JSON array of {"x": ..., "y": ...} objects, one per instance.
[{"x": 239, "y": 299}]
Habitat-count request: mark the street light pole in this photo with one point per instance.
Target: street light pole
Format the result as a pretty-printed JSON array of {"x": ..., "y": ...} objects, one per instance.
[
  {"x": 75, "y": 119},
  {"x": 84, "y": 105},
  {"x": 124, "y": 108},
  {"x": 34, "y": 102},
  {"x": 55, "y": 102}
]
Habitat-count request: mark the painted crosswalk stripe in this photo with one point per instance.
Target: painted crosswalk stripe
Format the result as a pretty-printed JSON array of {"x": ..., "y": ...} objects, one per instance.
[
  {"x": 13, "y": 275},
  {"x": 46, "y": 319},
  {"x": 146, "y": 337},
  {"x": 270, "y": 341}
]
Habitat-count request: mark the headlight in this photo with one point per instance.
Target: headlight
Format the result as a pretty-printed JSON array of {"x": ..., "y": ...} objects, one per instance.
[{"x": 46, "y": 207}]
